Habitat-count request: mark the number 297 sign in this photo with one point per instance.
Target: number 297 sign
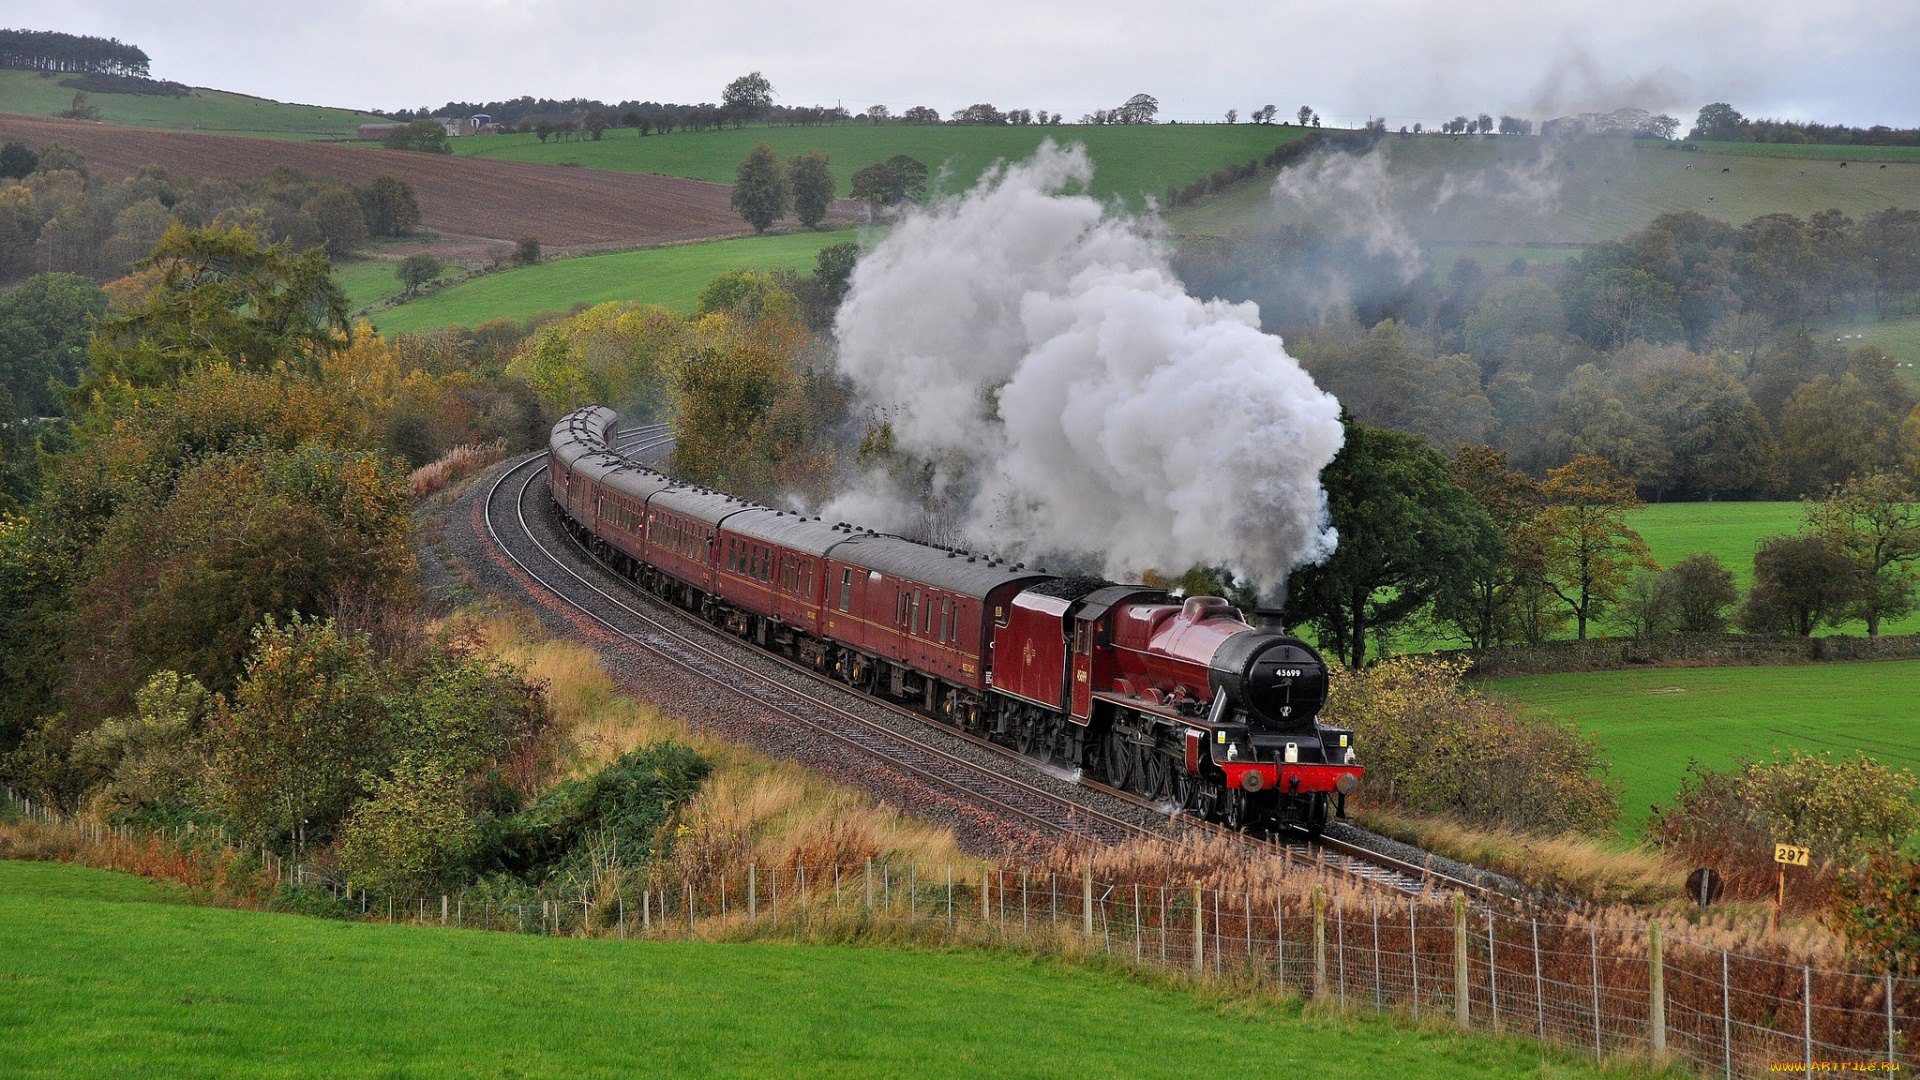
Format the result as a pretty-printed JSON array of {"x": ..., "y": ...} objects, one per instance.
[{"x": 1789, "y": 855}]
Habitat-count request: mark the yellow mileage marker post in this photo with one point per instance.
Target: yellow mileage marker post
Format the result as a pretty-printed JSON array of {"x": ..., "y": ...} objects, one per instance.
[{"x": 1786, "y": 855}]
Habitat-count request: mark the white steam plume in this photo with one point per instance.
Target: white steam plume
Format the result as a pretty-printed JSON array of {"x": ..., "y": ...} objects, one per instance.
[{"x": 1048, "y": 349}]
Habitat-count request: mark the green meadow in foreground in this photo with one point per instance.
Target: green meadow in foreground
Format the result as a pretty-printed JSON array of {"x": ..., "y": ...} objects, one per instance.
[
  {"x": 1652, "y": 722},
  {"x": 1130, "y": 161},
  {"x": 200, "y": 110},
  {"x": 672, "y": 276},
  {"x": 98, "y": 981}
]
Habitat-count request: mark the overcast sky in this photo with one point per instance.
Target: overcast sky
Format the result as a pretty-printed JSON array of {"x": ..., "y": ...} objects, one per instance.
[{"x": 1852, "y": 61}]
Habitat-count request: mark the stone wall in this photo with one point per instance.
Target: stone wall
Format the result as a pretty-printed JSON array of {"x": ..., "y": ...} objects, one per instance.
[{"x": 1704, "y": 650}]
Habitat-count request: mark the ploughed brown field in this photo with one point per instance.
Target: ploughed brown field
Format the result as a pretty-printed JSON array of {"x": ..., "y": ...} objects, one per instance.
[{"x": 473, "y": 203}]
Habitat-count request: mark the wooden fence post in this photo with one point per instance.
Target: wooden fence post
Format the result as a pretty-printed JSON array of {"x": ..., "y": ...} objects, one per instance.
[
  {"x": 1199, "y": 930},
  {"x": 753, "y": 892},
  {"x": 986, "y": 897},
  {"x": 1656, "y": 990},
  {"x": 1462, "y": 985},
  {"x": 1319, "y": 944},
  {"x": 869, "y": 908},
  {"x": 1086, "y": 899}
]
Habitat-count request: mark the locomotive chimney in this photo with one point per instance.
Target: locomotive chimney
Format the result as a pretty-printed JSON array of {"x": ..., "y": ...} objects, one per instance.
[{"x": 1266, "y": 617}]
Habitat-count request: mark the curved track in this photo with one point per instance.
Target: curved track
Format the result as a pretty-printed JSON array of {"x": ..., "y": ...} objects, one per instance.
[{"x": 511, "y": 498}]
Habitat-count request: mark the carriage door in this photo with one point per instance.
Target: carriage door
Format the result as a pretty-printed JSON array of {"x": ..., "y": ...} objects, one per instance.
[{"x": 1082, "y": 669}]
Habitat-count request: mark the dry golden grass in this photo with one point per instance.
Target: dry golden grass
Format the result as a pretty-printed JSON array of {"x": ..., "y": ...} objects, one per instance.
[
  {"x": 1570, "y": 864},
  {"x": 753, "y": 810},
  {"x": 454, "y": 466}
]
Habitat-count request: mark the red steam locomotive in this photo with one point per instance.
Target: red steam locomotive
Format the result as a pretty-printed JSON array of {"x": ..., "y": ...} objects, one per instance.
[{"x": 1171, "y": 699}]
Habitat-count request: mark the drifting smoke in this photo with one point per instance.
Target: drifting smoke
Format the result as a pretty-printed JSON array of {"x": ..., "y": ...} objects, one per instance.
[{"x": 1079, "y": 400}]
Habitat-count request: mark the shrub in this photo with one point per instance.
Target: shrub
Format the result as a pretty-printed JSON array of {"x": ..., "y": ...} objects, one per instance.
[
  {"x": 305, "y": 720},
  {"x": 526, "y": 251},
  {"x": 629, "y": 801},
  {"x": 413, "y": 829},
  {"x": 1839, "y": 808},
  {"x": 1433, "y": 745},
  {"x": 1701, "y": 590},
  {"x": 417, "y": 269},
  {"x": 1877, "y": 908}
]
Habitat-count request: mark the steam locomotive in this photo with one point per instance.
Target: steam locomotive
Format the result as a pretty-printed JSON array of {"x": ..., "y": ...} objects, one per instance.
[{"x": 1178, "y": 700}]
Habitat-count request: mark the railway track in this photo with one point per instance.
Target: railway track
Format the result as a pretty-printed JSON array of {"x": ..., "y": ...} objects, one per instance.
[{"x": 506, "y": 510}]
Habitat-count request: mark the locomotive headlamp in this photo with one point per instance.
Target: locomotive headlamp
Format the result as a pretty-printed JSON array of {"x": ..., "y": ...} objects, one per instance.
[
  {"x": 1293, "y": 753},
  {"x": 1350, "y": 758},
  {"x": 1252, "y": 781}
]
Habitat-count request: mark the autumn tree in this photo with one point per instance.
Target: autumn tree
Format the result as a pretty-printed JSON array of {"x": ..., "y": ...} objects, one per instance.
[
  {"x": 897, "y": 180},
  {"x": 417, "y": 269},
  {"x": 220, "y": 296},
  {"x": 760, "y": 192},
  {"x": 1701, "y": 590},
  {"x": 389, "y": 206},
  {"x": 1407, "y": 532},
  {"x": 1800, "y": 583},
  {"x": 1875, "y": 522},
  {"x": 1481, "y": 606},
  {"x": 289, "y": 747},
  {"x": 812, "y": 186},
  {"x": 1590, "y": 553},
  {"x": 750, "y": 95}
]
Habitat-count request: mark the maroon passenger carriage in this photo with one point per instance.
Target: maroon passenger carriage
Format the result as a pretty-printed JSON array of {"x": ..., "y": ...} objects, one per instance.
[{"x": 1167, "y": 698}]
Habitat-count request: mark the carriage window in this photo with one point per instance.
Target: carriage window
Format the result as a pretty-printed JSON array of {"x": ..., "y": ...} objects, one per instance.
[
  {"x": 899, "y": 608},
  {"x": 846, "y": 590},
  {"x": 946, "y": 619},
  {"x": 1081, "y": 638},
  {"x": 913, "y": 614}
]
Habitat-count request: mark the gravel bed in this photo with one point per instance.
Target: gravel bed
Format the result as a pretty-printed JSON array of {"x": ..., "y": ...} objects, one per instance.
[{"x": 1407, "y": 853}]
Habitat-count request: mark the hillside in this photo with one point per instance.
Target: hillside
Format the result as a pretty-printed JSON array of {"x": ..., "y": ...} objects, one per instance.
[
  {"x": 122, "y": 983},
  {"x": 200, "y": 110},
  {"x": 1131, "y": 162},
  {"x": 1506, "y": 191},
  {"x": 474, "y": 205},
  {"x": 671, "y": 275}
]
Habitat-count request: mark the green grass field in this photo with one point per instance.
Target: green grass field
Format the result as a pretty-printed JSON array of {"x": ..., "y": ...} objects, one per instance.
[
  {"x": 95, "y": 981},
  {"x": 1129, "y": 161},
  {"x": 1650, "y": 723},
  {"x": 1510, "y": 191},
  {"x": 1732, "y": 531},
  {"x": 201, "y": 110},
  {"x": 371, "y": 280},
  {"x": 672, "y": 276}
]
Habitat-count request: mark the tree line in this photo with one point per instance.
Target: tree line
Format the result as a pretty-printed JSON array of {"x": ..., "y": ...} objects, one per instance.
[
  {"x": 1721, "y": 122},
  {"x": 1473, "y": 549},
  {"x": 1686, "y": 355},
  {"x": 57, "y": 215},
  {"x": 49, "y": 50}
]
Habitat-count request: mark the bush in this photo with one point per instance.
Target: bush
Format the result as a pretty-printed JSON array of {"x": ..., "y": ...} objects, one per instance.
[
  {"x": 1433, "y": 745},
  {"x": 1877, "y": 909},
  {"x": 411, "y": 832},
  {"x": 417, "y": 269},
  {"x": 1838, "y": 808},
  {"x": 1701, "y": 590},
  {"x": 627, "y": 805},
  {"x": 1800, "y": 583},
  {"x": 526, "y": 251}
]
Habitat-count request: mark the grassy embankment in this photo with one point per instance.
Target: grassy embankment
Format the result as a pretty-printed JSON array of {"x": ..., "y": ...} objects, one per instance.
[
  {"x": 1130, "y": 162},
  {"x": 672, "y": 276},
  {"x": 200, "y": 110},
  {"x": 100, "y": 976}
]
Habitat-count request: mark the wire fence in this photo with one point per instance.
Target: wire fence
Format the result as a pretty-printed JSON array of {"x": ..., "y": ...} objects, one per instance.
[{"x": 1598, "y": 988}]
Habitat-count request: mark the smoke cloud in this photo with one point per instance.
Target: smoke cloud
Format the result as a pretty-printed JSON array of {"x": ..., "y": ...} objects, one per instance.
[{"x": 1075, "y": 398}]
